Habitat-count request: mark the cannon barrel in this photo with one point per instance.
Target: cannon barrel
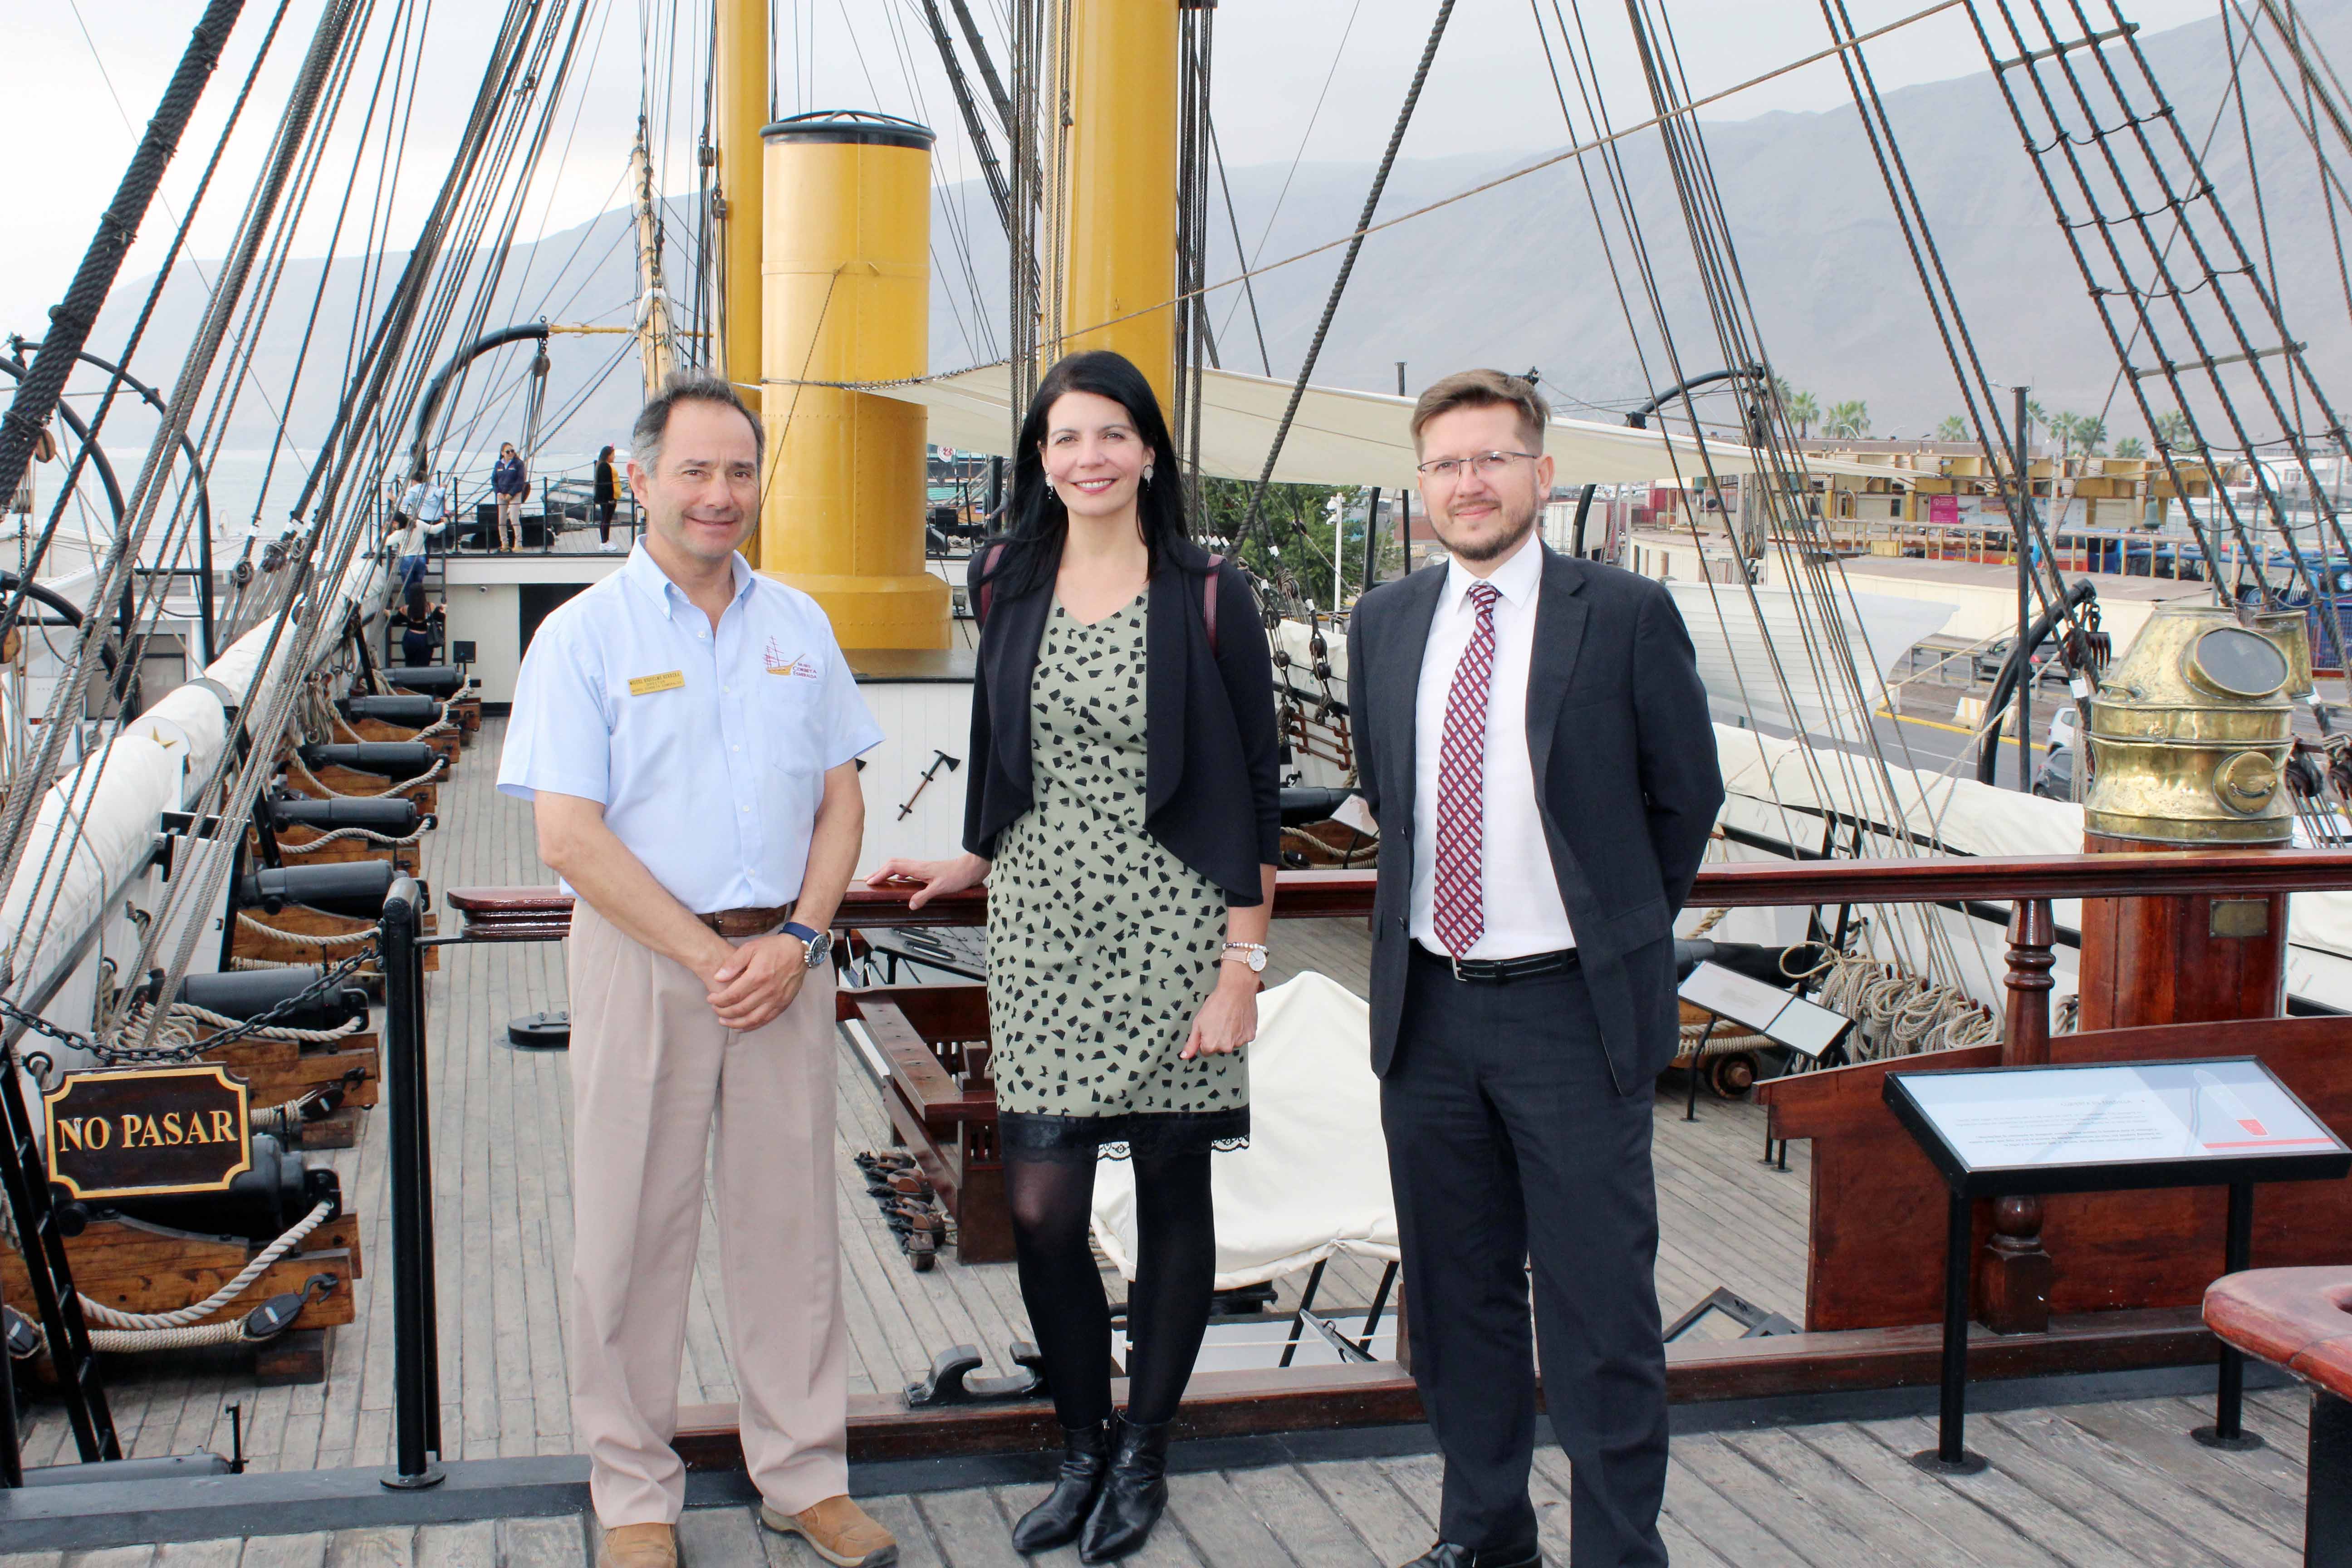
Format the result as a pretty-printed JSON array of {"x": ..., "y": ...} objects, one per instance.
[
  {"x": 412, "y": 711},
  {"x": 249, "y": 992},
  {"x": 387, "y": 814},
  {"x": 385, "y": 759},
  {"x": 353, "y": 888}
]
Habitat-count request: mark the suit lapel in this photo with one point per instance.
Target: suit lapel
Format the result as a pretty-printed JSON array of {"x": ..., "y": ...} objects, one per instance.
[
  {"x": 1400, "y": 685},
  {"x": 1561, "y": 616}
]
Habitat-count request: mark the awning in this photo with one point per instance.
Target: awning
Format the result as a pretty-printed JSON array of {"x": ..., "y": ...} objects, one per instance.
[{"x": 1338, "y": 437}]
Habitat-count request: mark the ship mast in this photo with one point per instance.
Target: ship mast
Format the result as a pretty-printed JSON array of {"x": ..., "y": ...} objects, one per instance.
[
  {"x": 657, "y": 345},
  {"x": 739, "y": 110}
]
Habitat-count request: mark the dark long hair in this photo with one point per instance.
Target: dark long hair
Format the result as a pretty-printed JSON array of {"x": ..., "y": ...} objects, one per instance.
[{"x": 1035, "y": 520}]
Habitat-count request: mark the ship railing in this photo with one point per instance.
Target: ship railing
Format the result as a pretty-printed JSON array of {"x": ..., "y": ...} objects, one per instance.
[{"x": 1904, "y": 1351}]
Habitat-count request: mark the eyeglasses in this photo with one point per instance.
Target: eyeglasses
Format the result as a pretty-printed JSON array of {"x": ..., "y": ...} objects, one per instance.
[{"x": 1490, "y": 465}]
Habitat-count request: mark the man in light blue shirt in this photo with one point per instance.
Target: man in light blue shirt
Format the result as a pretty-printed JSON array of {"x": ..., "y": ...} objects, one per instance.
[
  {"x": 421, "y": 511},
  {"x": 687, "y": 733}
]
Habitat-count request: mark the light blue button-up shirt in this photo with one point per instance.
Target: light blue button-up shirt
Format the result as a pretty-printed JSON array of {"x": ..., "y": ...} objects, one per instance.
[{"x": 708, "y": 750}]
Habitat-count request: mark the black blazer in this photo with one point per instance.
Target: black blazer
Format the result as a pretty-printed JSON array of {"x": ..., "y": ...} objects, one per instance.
[
  {"x": 1212, "y": 771},
  {"x": 1626, "y": 785}
]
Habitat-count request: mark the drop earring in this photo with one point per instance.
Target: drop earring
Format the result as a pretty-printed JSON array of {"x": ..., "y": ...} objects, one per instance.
[{"x": 1147, "y": 476}]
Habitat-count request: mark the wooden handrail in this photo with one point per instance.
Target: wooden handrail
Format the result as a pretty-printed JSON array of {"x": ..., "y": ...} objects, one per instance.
[{"x": 1322, "y": 895}]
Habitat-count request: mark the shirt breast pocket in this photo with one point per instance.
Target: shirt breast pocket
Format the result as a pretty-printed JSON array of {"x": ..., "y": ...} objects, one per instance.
[{"x": 789, "y": 712}]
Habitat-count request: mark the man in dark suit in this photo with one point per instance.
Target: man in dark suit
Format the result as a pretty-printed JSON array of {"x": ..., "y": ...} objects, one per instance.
[{"x": 1532, "y": 736}]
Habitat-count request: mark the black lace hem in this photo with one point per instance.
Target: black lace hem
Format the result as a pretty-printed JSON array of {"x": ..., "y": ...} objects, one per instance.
[{"x": 1030, "y": 1136}]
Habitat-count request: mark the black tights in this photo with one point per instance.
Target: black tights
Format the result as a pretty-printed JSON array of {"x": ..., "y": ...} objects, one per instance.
[{"x": 1167, "y": 1306}]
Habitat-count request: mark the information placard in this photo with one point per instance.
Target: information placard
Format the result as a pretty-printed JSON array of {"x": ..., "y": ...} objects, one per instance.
[{"x": 2048, "y": 1127}]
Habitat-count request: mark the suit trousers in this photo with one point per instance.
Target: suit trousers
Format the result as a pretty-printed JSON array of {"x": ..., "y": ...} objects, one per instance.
[
  {"x": 653, "y": 1073},
  {"x": 1511, "y": 1152}
]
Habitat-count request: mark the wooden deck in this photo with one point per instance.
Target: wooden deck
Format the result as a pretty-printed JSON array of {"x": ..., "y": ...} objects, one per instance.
[
  {"x": 502, "y": 1173},
  {"x": 2110, "y": 1484}
]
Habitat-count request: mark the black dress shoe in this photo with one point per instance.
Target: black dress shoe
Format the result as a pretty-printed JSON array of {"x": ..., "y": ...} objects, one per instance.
[
  {"x": 1085, "y": 1459},
  {"x": 1133, "y": 1496},
  {"x": 1446, "y": 1554}
]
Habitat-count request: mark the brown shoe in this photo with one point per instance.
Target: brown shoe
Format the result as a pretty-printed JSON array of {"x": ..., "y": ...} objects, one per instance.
[
  {"x": 838, "y": 1531},
  {"x": 639, "y": 1546}
]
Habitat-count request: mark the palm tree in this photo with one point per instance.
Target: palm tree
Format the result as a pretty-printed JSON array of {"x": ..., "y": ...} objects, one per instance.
[
  {"x": 2090, "y": 434},
  {"x": 1953, "y": 428},
  {"x": 1849, "y": 420},
  {"x": 1802, "y": 409},
  {"x": 2172, "y": 429},
  {"x": 2130, "y": 446}
]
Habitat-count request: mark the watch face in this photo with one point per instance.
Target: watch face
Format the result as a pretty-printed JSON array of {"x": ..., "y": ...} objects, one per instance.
[
  {"x": 1257, "y": 963},
  {"x": 821, "y": 949}
]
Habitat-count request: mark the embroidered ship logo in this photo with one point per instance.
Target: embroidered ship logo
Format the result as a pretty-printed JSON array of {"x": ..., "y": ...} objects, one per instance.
[{"x": 781, "y": 663}]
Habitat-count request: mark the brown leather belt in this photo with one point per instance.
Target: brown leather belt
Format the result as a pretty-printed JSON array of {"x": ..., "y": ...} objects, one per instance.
[{"x": 736, "y": 925}]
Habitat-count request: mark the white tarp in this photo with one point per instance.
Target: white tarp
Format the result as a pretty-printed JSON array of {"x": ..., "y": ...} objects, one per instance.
[
  {"x": 1337, "y": 437},
  {"x": 102, "y": 818},
  {"x": 1735, "y": 629},
  {"x": 1315, "y": 1178}
]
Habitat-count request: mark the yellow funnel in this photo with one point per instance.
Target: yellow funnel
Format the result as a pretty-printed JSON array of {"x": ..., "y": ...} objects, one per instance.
[{"x": 845, "y": 281}]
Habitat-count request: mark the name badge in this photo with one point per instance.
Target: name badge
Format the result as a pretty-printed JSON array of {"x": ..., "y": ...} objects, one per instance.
[{"x": 647, "y": 685}]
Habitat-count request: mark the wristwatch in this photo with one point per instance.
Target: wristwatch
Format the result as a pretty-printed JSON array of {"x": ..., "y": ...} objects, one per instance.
[
  {"x": 1252, "y": 954},
  {"x": 820, "y": 943}
]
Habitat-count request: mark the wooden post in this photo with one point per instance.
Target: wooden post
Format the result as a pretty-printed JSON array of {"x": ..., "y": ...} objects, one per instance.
[
  {"x": 2013, "y": 1286},
  {"x": 2026, "y": 1041}
]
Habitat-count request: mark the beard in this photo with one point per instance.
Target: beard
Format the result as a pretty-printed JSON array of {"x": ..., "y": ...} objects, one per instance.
[{"x": 1484, "y": 549}]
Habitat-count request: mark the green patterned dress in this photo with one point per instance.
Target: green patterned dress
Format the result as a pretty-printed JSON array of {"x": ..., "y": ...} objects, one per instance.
[{"x": 1102, "y": 944}]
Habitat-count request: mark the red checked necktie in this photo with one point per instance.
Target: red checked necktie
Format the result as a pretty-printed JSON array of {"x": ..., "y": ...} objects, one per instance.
[{"x": 1458, "y": 906}]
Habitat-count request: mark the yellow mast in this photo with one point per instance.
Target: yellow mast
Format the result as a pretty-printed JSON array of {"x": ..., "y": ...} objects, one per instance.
[
  {"x": 848, "y": 299},
  {"x": 656, "y": 347},
  {"x": 740, "y": 107},
  {"x": 1118, "y": 214}
]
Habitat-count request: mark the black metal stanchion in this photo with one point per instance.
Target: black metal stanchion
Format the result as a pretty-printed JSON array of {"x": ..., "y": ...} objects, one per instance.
[
  {"x": 2227, "y": 1430},
  {"x": 1951, "y": 1455},
  {"x": 415, "y": 1396}
]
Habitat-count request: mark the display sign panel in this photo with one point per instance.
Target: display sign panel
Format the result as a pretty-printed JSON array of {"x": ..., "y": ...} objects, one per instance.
[
  {"x": 1778, "y": 1015},
  {"x": 2191, "y": 1113}
]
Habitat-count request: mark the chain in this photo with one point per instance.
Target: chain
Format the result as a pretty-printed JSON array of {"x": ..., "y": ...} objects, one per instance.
[{"x": 116, "y": 1055}]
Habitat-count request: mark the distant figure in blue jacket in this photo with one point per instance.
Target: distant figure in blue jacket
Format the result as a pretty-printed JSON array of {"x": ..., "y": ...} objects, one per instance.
[{"x": 510, "y": 485}]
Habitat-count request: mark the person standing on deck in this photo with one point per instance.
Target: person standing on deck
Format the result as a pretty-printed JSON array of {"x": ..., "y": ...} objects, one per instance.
[
  {"x": 420, "y": 515},
  {"x": 607, "y": 499},
  {"x": 1533, "y": 738},
  {"x": 687, "y": 734},
  {"x": 508, "y": 485},
  {"x": 1125, "y": 810}
]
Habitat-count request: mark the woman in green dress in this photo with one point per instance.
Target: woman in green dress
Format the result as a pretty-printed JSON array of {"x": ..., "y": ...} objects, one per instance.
[{"x": 1122, "y": 806}]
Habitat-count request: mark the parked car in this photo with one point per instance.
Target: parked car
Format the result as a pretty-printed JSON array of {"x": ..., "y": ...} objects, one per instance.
[{"x": 2047, "y": 666}]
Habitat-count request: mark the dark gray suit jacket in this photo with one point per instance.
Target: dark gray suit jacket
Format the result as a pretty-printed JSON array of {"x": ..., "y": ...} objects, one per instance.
[{"x": 1626, "y": 785}]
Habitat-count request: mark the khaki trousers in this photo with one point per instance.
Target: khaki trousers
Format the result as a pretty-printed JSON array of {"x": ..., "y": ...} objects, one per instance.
[
  {"x": 510, "y": 522},
  {"x": 651, "y": 1070}
]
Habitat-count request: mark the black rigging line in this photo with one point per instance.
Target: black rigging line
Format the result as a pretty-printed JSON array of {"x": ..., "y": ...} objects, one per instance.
[
  {"x": 44, "y": 380},
  {"x": 1347, "y": 265},
  {"x": 1249, "y": 286},
  {"x": 979, "y": 48}
]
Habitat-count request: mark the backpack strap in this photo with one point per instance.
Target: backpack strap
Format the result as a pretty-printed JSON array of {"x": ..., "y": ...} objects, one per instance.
[
  {"x": 987, "y": 583},
  {"x": 1209, "y": 602}
]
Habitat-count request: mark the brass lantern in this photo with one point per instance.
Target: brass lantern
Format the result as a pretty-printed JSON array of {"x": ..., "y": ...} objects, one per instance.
[{"x": 2190, "y": 732}]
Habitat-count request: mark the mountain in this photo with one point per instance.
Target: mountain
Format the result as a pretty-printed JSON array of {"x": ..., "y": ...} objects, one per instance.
[{"x": 1517, "y": 276}]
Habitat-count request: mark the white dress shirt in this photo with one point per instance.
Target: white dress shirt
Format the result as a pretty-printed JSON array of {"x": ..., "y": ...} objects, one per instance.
[
  {"x": 708, "y": 750},
  {"x": 1523, "y": 914}
]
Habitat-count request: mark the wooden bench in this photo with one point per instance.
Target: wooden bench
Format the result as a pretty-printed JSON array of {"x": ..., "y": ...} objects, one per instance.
[
  {"x": 932, "y": 1044},
  {"x": 2300, "y": 1319}
]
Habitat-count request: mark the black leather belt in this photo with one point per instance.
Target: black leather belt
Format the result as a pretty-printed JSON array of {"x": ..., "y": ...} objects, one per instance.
[{"x": 1495, "y": 970}]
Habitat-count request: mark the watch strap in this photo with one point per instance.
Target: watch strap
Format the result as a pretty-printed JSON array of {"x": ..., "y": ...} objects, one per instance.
[{"x": 808, "y": 934}]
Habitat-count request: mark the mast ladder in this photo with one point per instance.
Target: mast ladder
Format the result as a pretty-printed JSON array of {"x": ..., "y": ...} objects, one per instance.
[{"x": 24, "y": 1175}]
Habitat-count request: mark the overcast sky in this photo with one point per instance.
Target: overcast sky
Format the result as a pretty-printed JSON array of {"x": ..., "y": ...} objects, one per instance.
[{"x": 1324, "y": 76}]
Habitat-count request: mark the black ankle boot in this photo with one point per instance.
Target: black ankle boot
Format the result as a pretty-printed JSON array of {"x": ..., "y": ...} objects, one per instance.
[
  {"x": 1131, "y": 1497},
  {"x": 1085, "y": 1459}
]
